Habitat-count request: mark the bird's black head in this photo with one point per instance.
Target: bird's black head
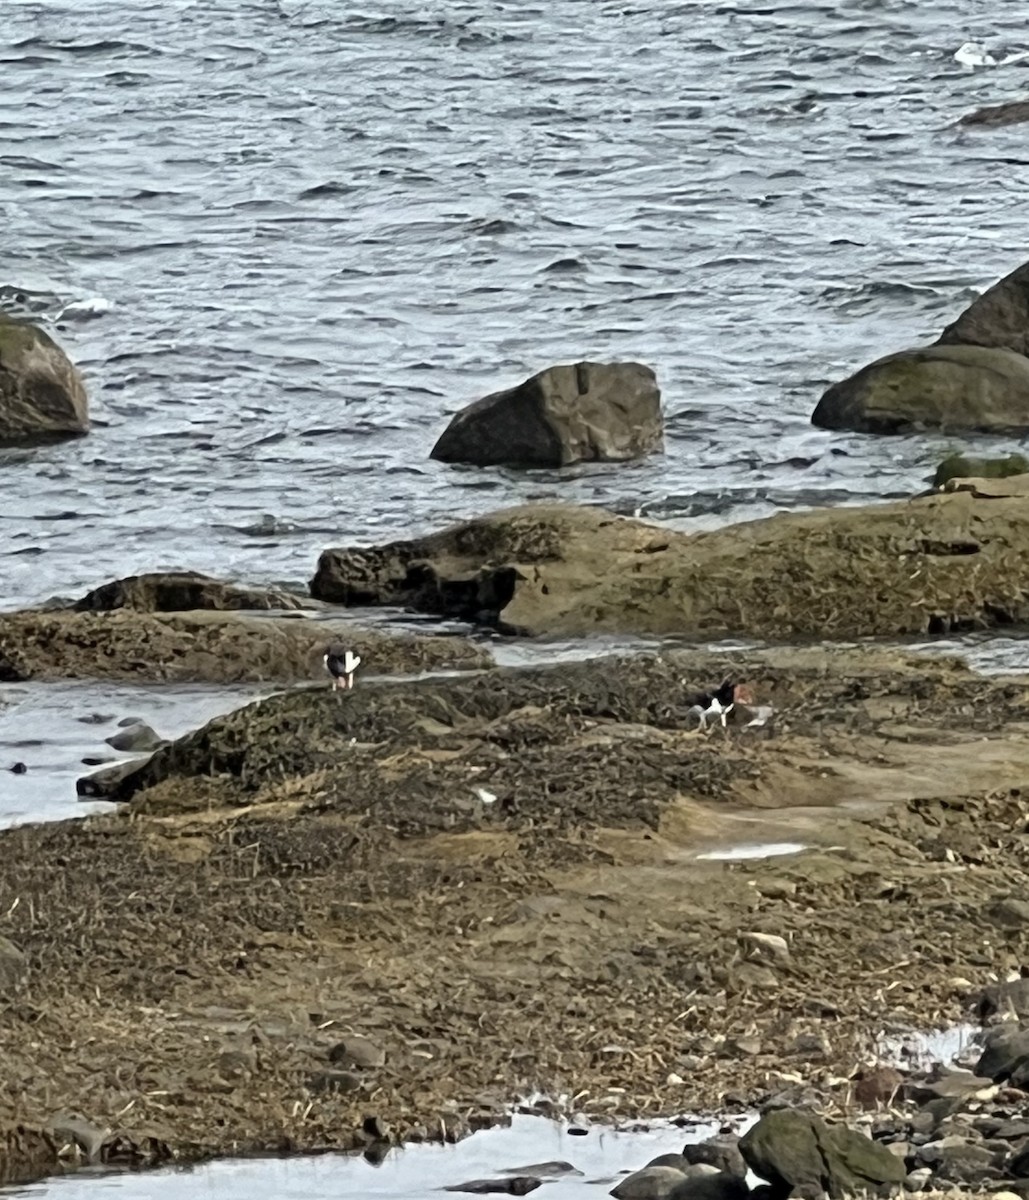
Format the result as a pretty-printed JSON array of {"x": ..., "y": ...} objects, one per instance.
[{"x": 726, "y": 692}]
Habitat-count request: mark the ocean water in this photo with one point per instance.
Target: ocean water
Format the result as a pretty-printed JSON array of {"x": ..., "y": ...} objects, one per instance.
[{"x": 286, "y": 239}]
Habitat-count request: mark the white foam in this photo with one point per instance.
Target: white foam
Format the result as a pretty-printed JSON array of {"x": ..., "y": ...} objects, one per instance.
[
  {"x": 89, "y": 306},
  {"x": 753, "y": 850}
]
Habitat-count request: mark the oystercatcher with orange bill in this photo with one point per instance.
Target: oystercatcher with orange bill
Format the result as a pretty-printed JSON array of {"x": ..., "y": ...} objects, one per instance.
[{"x": 341, "y": 664}]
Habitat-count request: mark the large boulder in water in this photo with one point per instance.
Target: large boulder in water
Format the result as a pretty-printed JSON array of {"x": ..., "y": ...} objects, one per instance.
[
  {"x": 796, "y": 1150},
  {"x": 42, "y": 395},
  {"x": 999, "y": 319},
  {"x": 975, "y": 376},
  {"x": 563, "y": 415},
  {"x": 951, "y": 387}
]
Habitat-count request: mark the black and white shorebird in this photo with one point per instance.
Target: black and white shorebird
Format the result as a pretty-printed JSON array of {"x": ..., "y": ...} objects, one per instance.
[
  {"x": 708, "y": 706},
  {"x": 341, "y": 665}
]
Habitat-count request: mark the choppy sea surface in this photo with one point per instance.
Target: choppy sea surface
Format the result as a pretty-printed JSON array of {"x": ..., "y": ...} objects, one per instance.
[{"x": 285, "y": 239}]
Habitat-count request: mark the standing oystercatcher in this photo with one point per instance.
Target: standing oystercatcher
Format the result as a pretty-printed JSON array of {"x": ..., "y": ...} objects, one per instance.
[
  {"x": 341, "y": 665},
  {"x": 719, "y": 703}
]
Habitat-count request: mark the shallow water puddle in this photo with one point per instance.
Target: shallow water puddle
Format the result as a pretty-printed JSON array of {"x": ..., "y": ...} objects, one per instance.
[
  {"x": 752, "y": 850},
  {"x": 51, "y": 727},
  {"x": 922, "y": 1048},
  {"x": 415, "y": 1173}
]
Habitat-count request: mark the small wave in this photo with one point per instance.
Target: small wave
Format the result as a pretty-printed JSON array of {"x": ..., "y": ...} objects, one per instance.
[
  {"x": 86, "y": 309},
  {"x": 104, "y": 46},
  {"x": 331, "y": 188},
  {"x": 972, "y": 55}
]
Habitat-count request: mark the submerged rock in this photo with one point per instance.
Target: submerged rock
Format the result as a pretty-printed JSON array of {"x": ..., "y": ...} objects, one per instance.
[
  {"x": 794, "y": 1149},
  {"x": 183, "y": 591},
  {"x": 206, "y": 647},
  {"x": 968, "y": 466},
  {"x": 42, "y": 395},
  {"x": 136, "y": 738},
  {"x": 563, "y": 415},
  {"x": 992, "y": 116},
  {"x": 514, "y": 1185},
  {"x": 928, "y": 565},
  {"x": 950, "y": 387}
]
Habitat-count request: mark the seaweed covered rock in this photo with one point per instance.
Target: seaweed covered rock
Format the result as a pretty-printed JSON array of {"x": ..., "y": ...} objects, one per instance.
[
  {"x": 205, "y": 647},
  {"x": 950, "y": 387},
  {"x": 42, "y": 395},
  {"x": 182, "y": 591},
  {"x": 975, "y": 376},
  {"x": 930, "y": 564},
  {"x": 970, "y": 466},
  {"x": 563, "y": 415}
]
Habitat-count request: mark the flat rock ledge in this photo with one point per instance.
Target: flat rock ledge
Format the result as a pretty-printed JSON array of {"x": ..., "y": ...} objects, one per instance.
[
  {"x": 348, "y": 947},
  {"x": 208, "y": 646},
  {"x": 932, "y": 564}
]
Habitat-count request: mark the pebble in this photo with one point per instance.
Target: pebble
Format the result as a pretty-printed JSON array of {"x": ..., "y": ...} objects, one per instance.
[
  {"x": 917, "y": 1180},
  {"x": 357, "y": 1052},
  {"x": 333, "y": 1081}
]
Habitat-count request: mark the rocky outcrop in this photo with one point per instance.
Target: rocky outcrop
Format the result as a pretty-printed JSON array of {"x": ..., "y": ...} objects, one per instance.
[
  {"x": 949, "y": 387},
  {"x": 970, "y": 466},
  {"x": 792, "y": 1149},
  {"x": 42, "y": 395},
  {"x": 1009, "y": 999},
  {"x": 565, "y": 414},
  {"x": 999, "y": 319},
  {"x": 993, "y": 116},
  {"x": 974, "y": 377},
  {"x": 184, "y": 591},
  {"x": 26, "y": 1154},
  {"x": 1005, "y": 1055},
  {"x": 206, "y": 647},
  {"x": 928, "y": 565}
]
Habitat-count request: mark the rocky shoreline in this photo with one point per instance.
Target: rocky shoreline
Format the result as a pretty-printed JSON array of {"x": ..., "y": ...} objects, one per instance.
[
  {"x": 325, "y": 923},
  {"x": 306, "y": 931}
]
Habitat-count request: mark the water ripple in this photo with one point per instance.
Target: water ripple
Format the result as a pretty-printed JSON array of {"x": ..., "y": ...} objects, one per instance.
[{"x": 286, "y": 241}]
